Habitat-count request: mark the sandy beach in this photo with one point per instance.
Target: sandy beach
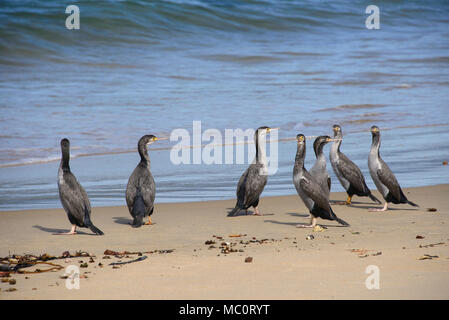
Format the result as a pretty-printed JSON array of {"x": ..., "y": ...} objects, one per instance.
[{"x": 285, "y": 264}]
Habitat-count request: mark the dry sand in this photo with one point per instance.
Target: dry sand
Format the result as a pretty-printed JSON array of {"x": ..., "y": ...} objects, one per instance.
[{"x": 286, "y": 266}]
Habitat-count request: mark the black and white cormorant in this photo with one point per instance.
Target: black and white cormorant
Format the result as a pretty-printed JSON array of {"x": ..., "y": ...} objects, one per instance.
[
  {"x": 311, "y": 193},
  {"x": 73, "y": 197},
  {"x": 141, "y": 189},
  {"x": 253, "y": 180},
  {"x": 383, "y": 177},
  {"x": 319, "y": 170},
  {"x": 347, "y": 172}
]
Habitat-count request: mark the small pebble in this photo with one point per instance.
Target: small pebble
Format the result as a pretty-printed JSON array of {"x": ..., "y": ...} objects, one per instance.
[
  {"x": 12, "y": 281},
  {"x": 248, "y": 259}
]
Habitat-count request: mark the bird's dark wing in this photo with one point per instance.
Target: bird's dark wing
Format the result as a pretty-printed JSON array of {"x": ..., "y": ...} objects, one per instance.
[
  {"x": 352, "y": 173},
  {"x": 241, "y": 189},
  {"x": 74, "y": 198},
  {"x": 250, "y": 186},
  {"x": 143, "y": 179},
  {"x": 388, "y": 179},
  {"x": 313, "y": 190},
  {"x": 148, "y": 188}
]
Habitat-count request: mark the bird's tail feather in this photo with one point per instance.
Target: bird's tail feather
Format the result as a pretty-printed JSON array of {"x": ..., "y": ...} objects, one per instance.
[
  {"x": 88, "y": 223},
  {"x": 138, "y": 210},
  {"x": 95, "y": 230},
  {"x": 372, "y": 197},
  {"x": 234, "y": 211},
  {"x": 342, "y": 222},
  {"x": 412, "y": 203}
]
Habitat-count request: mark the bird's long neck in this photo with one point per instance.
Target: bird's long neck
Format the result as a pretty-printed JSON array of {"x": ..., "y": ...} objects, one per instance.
[
  {"x": 319, "y": 153},
  {"x": 144, "y": 157},
  {"x": 375, "y": 145},
  {"x": 335, "y": 148},
  {"x": 65, "y": 159},
  {"x": 300, "y": 156},
  {"x": 261, "y": 155}
]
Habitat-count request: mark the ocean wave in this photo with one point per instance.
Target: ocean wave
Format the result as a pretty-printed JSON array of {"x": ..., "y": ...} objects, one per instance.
[
  {"x": 37, "y": 29},
  {"x": 344, "y": 107}
]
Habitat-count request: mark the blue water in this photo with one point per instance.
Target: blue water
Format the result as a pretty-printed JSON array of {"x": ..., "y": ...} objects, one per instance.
[{"x": 138, "y": 67}]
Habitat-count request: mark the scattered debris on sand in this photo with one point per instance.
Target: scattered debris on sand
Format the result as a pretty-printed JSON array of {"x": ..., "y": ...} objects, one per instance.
[
  {"x": 428, "y": 257},
  {"x": 127, "y": 262},
  {"x": 363, "y": 253},
  {"x": 430, "y": 245}
]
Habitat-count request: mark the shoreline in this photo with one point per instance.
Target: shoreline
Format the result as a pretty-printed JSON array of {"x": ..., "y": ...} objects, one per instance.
[
  {"x": 56, "y": 158},
  {"x": 213, "y": 200},
  {"x": 285, "y": 265}
]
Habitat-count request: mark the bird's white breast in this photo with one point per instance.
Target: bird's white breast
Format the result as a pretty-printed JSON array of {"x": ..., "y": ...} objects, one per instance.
[{"x": 60, "y": 177}]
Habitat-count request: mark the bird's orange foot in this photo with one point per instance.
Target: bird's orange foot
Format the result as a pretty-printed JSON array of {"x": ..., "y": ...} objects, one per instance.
[
  {"x": 348, "y": 201},
  {"x": 385, "y": 208}
]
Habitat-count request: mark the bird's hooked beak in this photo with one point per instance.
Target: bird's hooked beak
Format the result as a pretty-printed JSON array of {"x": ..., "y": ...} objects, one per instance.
[{"x": 300, "y": 139}]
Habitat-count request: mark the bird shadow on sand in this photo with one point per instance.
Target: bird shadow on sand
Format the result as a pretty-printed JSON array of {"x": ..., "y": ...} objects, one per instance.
[
  {"x": 295, "y": 224},
  {"x": 294, "y": 214},
  {"x": 250, "y": 213},
  {"x": 123, "y": 220},
  {"x": 343, "y": 203},
  {"x": 56, "y": 231},
  {"x": 376, "y": 207}
]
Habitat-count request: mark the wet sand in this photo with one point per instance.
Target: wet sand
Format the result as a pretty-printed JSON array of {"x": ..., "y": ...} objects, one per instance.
[{"x": 285, "y": 265}]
